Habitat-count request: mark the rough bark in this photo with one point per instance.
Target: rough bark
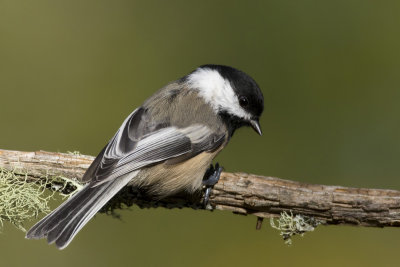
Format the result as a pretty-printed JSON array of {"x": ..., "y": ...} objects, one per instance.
[{"x": 239, "y": 192}]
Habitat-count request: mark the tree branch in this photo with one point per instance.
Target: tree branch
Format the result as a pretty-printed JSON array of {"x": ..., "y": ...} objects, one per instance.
[{"x": 238, "y": 192}]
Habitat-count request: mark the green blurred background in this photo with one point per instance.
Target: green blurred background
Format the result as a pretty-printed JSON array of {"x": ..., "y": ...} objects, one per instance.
[{"x": 70, "y": 71}]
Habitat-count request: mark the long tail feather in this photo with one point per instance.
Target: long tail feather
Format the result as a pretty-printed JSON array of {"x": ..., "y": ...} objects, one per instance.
[{"x": 61, "y": 225}]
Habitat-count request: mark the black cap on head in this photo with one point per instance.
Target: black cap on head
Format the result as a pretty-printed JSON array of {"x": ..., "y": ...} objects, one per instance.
[{"x": 248, "y": 92}]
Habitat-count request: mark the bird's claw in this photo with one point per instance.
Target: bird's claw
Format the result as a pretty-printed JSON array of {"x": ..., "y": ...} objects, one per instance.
[{"x": 211, "y": 177}]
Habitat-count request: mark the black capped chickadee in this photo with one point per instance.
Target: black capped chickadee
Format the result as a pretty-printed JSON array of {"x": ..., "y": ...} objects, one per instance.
[{"x": 165, "y": 146}]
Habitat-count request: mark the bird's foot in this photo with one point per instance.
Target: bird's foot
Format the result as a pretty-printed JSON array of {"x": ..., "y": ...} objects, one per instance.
[{"x": 211, "y": 177}]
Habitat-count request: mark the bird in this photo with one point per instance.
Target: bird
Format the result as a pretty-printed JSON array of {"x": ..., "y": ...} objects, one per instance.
[{"x": 165, "y": 146}]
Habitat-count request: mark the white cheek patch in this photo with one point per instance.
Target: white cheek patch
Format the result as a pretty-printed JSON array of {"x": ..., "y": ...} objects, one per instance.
[{"x": 217, "y": 92}]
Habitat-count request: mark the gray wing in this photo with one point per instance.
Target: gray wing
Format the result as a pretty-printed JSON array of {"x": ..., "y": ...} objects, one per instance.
[{"x": 140, "y": 142}]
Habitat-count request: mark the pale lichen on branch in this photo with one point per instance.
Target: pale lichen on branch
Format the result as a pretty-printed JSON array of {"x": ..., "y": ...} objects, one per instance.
[
  {"x": 21, "y": 200},
  {"x": 290, "y": 225}
]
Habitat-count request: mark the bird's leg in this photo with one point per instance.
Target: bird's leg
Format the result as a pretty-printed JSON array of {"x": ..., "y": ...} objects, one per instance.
[{"x": 211, "y": 177}]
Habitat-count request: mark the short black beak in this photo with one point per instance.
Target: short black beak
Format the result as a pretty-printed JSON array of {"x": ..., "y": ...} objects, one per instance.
[{"x": 256, "y": 126}]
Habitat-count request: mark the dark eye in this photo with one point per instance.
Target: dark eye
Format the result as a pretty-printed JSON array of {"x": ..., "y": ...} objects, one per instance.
[{"x": 243, "y": 102}]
